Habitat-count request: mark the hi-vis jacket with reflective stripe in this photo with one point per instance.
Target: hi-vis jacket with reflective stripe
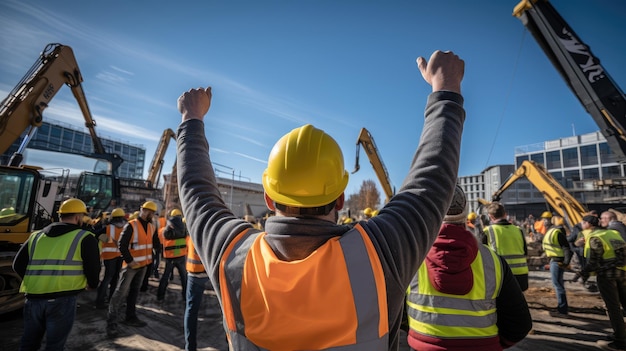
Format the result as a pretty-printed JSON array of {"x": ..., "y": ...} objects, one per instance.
[
  {"x": 55, "y": 263},
  {"x": 551, "y": 244},
  {"x": 141, "y": 243},
  {"x": 610, "y": 240},
  {"x": 508, "y": 242},
  {"x": 337, "y": 321},
  {"x": 447, "y": 316},
  {"x": 110, "y": 249},
  {"x": 401, "y": 233},
  {"x": 173, "y": 248},
  {"x": 194, "y": 264}
]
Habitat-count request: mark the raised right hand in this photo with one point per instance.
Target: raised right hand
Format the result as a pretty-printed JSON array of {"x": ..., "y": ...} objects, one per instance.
[
  {"x": 443, "y": 71},
  {"x": 195, "y": 103}
]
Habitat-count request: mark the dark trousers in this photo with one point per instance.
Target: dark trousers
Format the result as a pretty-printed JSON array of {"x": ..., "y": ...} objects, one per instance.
[
  {"x": 112, "y": 270},
  {"x": 52, "y": 317},
  {"x": 171, "y": 263},
  {"x": 613, "y": 292}
]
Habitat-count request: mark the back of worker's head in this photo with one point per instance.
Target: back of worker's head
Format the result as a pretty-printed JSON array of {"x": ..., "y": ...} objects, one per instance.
[
  {"x": 457, "y": 212},
  {"x": 496, "y": 210},
  {"x": 305, "y": 172}
]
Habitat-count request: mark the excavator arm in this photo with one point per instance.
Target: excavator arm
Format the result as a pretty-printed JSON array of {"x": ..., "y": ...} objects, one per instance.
[
  {"x": 23, "y": 108},
  {"x": 365, "y": 139},
  {"x": 556, "y": 196},
  {"x": 580, "y": 69},
  {"x": 157, "y": 161}
]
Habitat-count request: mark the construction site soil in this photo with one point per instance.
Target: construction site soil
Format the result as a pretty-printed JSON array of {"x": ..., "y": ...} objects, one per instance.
[{"x": 586, "y": 323}]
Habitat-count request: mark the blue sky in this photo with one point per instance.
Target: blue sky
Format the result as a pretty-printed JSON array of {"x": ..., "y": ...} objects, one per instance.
[{"x": 340, "y": 65}]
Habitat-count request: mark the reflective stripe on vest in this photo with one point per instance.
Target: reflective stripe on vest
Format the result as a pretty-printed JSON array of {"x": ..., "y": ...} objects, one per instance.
[
  {"x": 141, "y": 243},
  {"x": 447, "y": 316},
  {"x": 173, "y": 248},
  {"x": 258, "y": 287},
  {"x": 110, "y": 249},
  {"x": 194, "y": 264},
  {"x": 55, "y": 263},
  {"x": 609, "y": 238},
  {"x": 551, "y": 245},
  {"x": 508, "y": 242}
]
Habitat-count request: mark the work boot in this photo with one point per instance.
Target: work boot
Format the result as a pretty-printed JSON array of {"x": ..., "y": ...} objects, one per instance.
[{"x": 112, "y": 331}]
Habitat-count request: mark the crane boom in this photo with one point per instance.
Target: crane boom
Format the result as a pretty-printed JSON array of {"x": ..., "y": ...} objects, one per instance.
[
  {"x": 157, "y": 161},
  {"x": 23, "y": 108},
  {"x": 558, "y": 198},
  {"x": 365, "y": 139},
  {"x": 580, "y": 69}
]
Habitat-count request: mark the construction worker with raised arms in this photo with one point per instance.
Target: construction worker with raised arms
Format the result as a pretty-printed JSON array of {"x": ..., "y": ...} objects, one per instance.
[
  {"x": 135, "y": 245},
  {"x": 56, "y": 264},
  {"x": 111, "y": 257},
  {"x": 464, "y": 296},
  {"x": 307, "y": 283},
  {"x": 173, "y": 237},
  {"x": 508, "y": 241}
]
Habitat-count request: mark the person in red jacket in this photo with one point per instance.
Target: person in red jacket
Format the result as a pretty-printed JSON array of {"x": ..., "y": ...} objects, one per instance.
[{"x": 451, "y": 300}]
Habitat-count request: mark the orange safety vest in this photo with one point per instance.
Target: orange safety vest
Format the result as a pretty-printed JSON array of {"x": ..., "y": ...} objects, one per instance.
[
  {"x": 173, "y": 248},
  {"x": 194, "y": 264},
  {"x": 301, "y": 305},
  {"x": 110, "y": 249},
  {"x": 141, "y": 243}
]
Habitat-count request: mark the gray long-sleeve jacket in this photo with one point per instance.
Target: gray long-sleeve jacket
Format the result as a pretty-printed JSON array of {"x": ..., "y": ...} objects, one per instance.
[{"x": 402, "y": 232}]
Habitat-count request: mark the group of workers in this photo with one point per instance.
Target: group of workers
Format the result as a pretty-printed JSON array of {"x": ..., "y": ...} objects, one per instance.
[
  {"x": 65, "y": 258},
  {"x": 305, "y": 282}
]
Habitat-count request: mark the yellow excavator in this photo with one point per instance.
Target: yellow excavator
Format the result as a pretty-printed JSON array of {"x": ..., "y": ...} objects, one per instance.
[
  {"x": 557, "y": 197},
  {"x": 28, "y": 195},
  {"x": 366, "y": 139}
]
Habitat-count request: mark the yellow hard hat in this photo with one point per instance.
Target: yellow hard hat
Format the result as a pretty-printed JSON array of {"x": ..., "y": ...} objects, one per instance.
[
  {"x": 368, "y": 212},
  {"x": 546, "y": 214},
  {"x": 149, "y": 205},
  {"x": 7, "y": 211},
  {"x": 305, "y": 169},
  {"x": 72, "y": 206},
  {"x": 374, "y": 213},
  {"x": 176, "y": 213},
  {"x": 347, "y": 220},
  {"x": 118, "y": 212},
  {"x": 134, "y": 215},
  {"x": 472, "y": 216}
]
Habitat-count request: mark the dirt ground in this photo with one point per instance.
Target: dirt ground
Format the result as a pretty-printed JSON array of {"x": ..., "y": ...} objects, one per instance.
[{"x": 586, "y": 324}]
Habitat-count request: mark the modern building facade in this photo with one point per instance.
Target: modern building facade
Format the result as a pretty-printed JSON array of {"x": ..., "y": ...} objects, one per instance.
[
  {"x": 583, "y": 164},
  {"x": 65, "y": 138}
]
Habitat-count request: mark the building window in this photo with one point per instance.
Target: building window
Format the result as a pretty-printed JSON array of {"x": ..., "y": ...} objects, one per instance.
[
  {"x": 610, "y": 172},
  {"x": 570, "y": 157},
  {"x": 553, "y": 160},
  {"x": 588, "y": 155},
  {"x": 520, "y": 159},
  {"x": 570, "y": 177},
  {"x": 537, "y": 158},
  {"x": 591, "y": 173},
  {"x": 606, "y": 154},
  {"x": 557, "y": 175}
]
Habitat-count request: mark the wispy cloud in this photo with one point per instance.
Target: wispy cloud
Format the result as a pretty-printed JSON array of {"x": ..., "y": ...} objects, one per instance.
[{"x": 251, "y": 157}]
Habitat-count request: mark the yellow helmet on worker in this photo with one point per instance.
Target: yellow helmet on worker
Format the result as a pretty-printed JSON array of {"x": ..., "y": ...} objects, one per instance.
[
  {"x": 70, "y": 206},
  {"x": 149, "y": 205},
  {"x": 472, "y": 216},
  {"x": 118, "y": 212},
  {"x": 176, "y": 213},
  {"x": 546, "y": 214},
  {"x": 368, "y": 212},
  {"x": 134, "y": 215},
  {"x": 305, "y": 169}
]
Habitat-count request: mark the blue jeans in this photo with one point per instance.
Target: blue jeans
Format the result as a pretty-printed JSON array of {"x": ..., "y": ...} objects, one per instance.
[
  {"x": 556, "y": 273},
  {"x": 170, "y": 263},
  {"x": 53, "y": 317},
  {"x": 128, "y": 288},
  {"x": 195, "y": 291},
  {"x": 108, "y": 284}
]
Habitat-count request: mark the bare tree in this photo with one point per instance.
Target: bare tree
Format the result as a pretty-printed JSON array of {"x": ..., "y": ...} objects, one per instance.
[{"x": 368, "y": 196}]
